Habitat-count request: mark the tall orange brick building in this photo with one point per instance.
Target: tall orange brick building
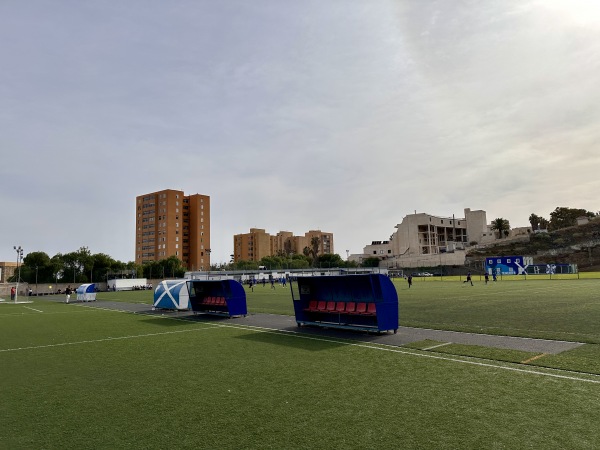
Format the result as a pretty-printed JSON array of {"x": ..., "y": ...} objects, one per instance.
[
  {"x": 257, "y": 244},
  {"x": 170, "y": 223}
]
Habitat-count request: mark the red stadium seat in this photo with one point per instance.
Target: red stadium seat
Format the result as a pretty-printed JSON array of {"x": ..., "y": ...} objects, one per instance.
[
  {"x": 371, "y": 309},
  {"x": 322, "y": 305},
  {"x": 350, "y": 307},
  {"x": 361, "y": 308},
  {"x": 312, "y": 306},
  {"x": 340, "y": 307},
  {"x": 330, "y": 306}
]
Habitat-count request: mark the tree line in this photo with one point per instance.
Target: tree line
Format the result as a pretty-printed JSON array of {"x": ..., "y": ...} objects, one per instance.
[
  {"x": 561, "y": 217},
  {"x": 82, "y": 266}
]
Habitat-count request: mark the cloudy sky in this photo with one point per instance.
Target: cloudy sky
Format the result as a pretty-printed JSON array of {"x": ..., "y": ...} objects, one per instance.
[{"x": 339, "y": 115}]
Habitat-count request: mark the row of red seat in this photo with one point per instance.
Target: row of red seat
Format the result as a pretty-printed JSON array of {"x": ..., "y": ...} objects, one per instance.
[
  {"x": 360, "y": 308},
  {"x": 214, "y": 301}
]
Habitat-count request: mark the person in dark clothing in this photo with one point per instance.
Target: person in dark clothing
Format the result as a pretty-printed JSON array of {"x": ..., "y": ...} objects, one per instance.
[
  {"x": 409, "y": 279},
  {"x": 468, "y": 280}
]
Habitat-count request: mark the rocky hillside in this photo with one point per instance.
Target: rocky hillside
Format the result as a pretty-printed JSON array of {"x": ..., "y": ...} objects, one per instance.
[{"x": 574, "y": 245}]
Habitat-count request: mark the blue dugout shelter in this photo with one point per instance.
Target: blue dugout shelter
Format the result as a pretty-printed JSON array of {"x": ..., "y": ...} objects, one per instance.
[
  {"x": 86, "y": 292},
  {"x": 223, "y": 297},
  {"x": 366, "y": 302},
  {"x": 172, "y": 294}
]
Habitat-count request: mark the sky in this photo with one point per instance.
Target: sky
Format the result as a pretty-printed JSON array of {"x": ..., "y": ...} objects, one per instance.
[{"x": 292, "y": 115}]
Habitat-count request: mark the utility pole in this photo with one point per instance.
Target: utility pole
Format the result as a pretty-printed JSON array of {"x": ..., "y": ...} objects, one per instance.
[{"x": 19, "y": 251}]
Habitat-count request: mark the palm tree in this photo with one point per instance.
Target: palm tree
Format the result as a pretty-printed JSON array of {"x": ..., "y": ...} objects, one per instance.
[
  {"x": 502, "y": 226},
  {"x": 534, "y": 221},
  {"x": 313, "y": 250}
]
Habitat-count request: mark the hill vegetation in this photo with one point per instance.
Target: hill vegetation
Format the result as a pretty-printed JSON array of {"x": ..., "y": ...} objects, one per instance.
[{"x": 579, "y": 244}]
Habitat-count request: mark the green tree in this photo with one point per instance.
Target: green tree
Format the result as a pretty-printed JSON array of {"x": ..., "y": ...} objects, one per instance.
[
  {"x": 330, "y": 260},
  {"x": 501, "y": 226},
  {"x": 57, "y": 266},
  {"x": 563, "y": 217},
  {"x": 102, "y": 264},
  {"x": 313, "y": 250},
  {"x": 245, "y": 265},
  {"x": 534, "y": 221},
  {"x": 37, "y": 266},
  {"x": 370, "y": 262}
]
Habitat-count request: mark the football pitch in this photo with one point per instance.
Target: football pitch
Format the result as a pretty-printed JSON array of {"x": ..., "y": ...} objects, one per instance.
[{"x": 81, "y": 376}]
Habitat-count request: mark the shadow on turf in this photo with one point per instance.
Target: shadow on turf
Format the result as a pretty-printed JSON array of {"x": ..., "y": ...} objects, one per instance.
[
  {"x": 288, "y": 340},
  {"x": 174, "y": 319}
]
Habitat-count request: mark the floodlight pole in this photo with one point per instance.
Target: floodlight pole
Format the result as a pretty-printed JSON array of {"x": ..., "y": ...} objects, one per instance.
[{"x": 19, "y": 251}]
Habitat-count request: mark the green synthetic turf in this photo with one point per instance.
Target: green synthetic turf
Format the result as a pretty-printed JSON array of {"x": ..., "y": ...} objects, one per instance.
[
  {"x": 78, "y": 377},
  {"x": 548, "y": 309},
  {"x": 557, "y": 309}
]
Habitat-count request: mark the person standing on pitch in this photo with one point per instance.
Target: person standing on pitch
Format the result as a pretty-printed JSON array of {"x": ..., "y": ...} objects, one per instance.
[
  {"x": 487, "y": 278},
  {"x": 409, "y": 279},
  {"x": 68, "y": 293}
]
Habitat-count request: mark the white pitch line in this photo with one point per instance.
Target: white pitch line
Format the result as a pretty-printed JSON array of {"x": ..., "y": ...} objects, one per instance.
[
  {"x": 393, "y": 349},
  {"x": 33, "y": 309},
  {"x": 92, "y": 341},
  {"x": 387, "y": 348},
  {"x": 437, "y": 346}
]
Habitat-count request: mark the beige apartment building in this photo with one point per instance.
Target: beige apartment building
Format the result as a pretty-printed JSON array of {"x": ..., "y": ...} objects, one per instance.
[
  {"x": 425, "y": 234},
  {"x": 424, "y": 239},
  {"x": 7, "y": 270},
  {"x": 170, "y": 223},
  {"x": 257, "y": 244}
]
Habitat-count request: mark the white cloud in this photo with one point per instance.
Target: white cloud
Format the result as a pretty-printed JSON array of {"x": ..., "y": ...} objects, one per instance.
[{"x": 343, "y": 116}]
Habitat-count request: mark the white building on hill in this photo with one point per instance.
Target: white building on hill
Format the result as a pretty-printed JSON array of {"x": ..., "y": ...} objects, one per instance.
[{"x": 422, "y": 240}]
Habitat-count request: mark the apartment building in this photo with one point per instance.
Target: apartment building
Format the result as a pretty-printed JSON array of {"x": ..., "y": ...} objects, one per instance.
[
  {"x": 170, "y": 223},
  {"x": 423, "y": 239},
  {"x": 257, "y": 244},
  {"x": 425, "y": 234},
  {"x": 7, "y": 270}
]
